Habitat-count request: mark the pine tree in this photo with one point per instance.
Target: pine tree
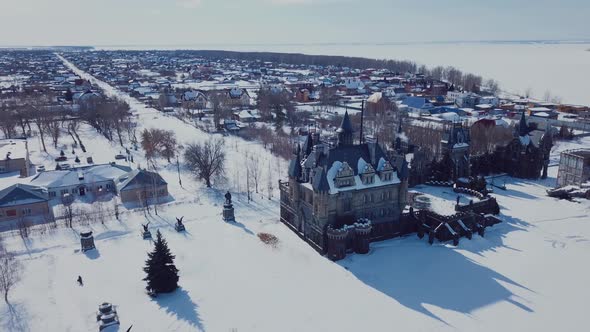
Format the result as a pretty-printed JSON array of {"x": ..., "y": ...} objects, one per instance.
[{"x": 162, "y": 275}]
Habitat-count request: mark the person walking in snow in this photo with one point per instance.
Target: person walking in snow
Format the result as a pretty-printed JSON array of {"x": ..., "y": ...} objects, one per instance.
[{"x": 80, "y": 281}]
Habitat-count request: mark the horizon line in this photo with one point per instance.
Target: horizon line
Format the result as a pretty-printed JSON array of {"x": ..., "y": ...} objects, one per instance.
[{"x": 485, "y": 41}]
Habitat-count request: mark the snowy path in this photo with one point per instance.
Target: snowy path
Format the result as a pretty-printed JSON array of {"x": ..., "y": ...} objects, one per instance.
[{"x": 238, "y": 150}]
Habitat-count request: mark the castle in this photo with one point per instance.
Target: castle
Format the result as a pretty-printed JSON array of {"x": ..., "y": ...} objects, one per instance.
[
  {"x": 340, "y": 197},
  {"x": 527, "y": 155}
]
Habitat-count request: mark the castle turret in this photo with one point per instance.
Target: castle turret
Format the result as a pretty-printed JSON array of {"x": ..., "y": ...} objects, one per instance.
[
  {"x": 336, "y": 243},
  {"x": 295, "y": 170},
  {"x": 362, "y": 238},
  {"x": 345, "y": 132}
]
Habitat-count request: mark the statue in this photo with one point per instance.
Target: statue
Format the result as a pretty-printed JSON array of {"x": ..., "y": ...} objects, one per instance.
[
  {"x": 146, "y": 234},
  {"x": 179, "y": 226},
  {"x": 228, "y": 209}
]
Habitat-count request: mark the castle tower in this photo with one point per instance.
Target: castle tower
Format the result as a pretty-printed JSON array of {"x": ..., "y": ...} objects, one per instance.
[
  {"x": 362, "y": 236},
  {"x": 336, "y": 243},
  {"x": 345, "y": 132},
  {"x": 456, "y": 147},
  {"x": 546, "y": 145},
  {"x": 523, "y": 127}
]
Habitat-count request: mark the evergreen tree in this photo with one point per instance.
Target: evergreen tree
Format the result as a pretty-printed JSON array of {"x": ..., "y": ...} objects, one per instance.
[{"x": 162, "y": 275}]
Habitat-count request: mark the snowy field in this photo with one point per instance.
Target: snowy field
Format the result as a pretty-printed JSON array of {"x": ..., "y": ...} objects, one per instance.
[{"x": 528, "y": 273}]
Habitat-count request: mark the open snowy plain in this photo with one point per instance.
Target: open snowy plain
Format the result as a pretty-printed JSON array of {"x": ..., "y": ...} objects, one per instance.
[{"x": 528, "y": 273}]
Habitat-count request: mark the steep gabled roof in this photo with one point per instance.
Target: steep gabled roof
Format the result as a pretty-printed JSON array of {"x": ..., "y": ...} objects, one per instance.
[
  {"x": 370, "y": 152},
  {"x": 320, "y": 181},
  {"x": 21, "y": 194},
  {"x": 139, "y": 178}
]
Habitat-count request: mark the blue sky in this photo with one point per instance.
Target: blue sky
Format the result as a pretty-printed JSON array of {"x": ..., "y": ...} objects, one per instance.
[{"x": 184, "y": 22}]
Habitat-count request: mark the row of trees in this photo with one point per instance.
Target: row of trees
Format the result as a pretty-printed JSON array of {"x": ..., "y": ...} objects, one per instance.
[
  {"x": 468, "y": 81},
  {"x": 41, "y": 112}
]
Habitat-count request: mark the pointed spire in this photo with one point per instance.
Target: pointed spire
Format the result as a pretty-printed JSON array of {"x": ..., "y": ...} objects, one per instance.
[
  {"x": 346, "y": 125},
  {"x": 295, "y": 167},
  {"x": 398, "y": 139},
  {"x": 345, "y": 132},
  {"x": 523, "y": 127},
  {"x": 308, "y": 145}
]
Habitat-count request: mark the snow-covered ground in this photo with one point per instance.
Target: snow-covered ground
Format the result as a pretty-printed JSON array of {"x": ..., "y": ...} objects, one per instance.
[{"x": 528, "y": 273}]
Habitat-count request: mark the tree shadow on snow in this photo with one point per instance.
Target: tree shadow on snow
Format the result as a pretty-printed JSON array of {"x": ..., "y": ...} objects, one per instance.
[
  {"x": 180, "y": 304},
  {"x": 14, "y": 318},
  {"x": 417, "y": 275}
]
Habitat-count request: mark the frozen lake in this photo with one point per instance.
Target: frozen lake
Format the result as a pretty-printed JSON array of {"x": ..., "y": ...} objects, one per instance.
[{"x": 561, "y": 68}]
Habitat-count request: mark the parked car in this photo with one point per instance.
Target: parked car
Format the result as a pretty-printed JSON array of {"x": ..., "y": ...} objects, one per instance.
[
  {"x": 120, "y": 156},
  {"x": 41, "y": 168},
  {"x": 63, "y": 166}
]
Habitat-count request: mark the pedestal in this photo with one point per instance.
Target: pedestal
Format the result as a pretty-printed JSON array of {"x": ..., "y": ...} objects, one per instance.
[
  {"x": 228, "y": 213},
  {"x": 179, "y": 227},
  {"x": 87, "y": 241}
]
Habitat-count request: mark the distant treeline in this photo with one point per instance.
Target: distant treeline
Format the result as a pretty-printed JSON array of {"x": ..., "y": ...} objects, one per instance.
[
  {"x": 400, "y": 66},
  {"x": 467, "y": 81}
]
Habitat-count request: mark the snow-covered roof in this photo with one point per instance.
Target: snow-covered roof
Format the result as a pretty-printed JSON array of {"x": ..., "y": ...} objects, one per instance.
[
  {"x": 79, "y": 175},
  {"x": 358, "y": 182},
  {"x": 20, "y": 194},
  {"x": 139, "y": 179},
  {"x": 14, "y": 148},
  {"x": 375, "y": 97}
]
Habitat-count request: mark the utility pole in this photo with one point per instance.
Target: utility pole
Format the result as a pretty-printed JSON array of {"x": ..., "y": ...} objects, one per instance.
[{"x": 362, "y": 120}]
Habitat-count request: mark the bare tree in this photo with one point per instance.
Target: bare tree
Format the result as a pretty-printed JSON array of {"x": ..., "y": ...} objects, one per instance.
[
  {"x": 158, "y": 142},
  {"x": 206, "y": 160},
  {"x": 254, "y": 170},
  {"x": 7, "y": 122},
  {"x": 492, "y": 86},
  {"x": 10, "y": 272},
  {"x": 219, "y": 105},
  {"x": 168, "y": 145},
  {"x": 67, "y": 210},
  {"x": 40, "y": 117},
  {"x": 528, "y": 92},
  {"x": 53, "y": 128},
  {"x": 23, "y": 228}
]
